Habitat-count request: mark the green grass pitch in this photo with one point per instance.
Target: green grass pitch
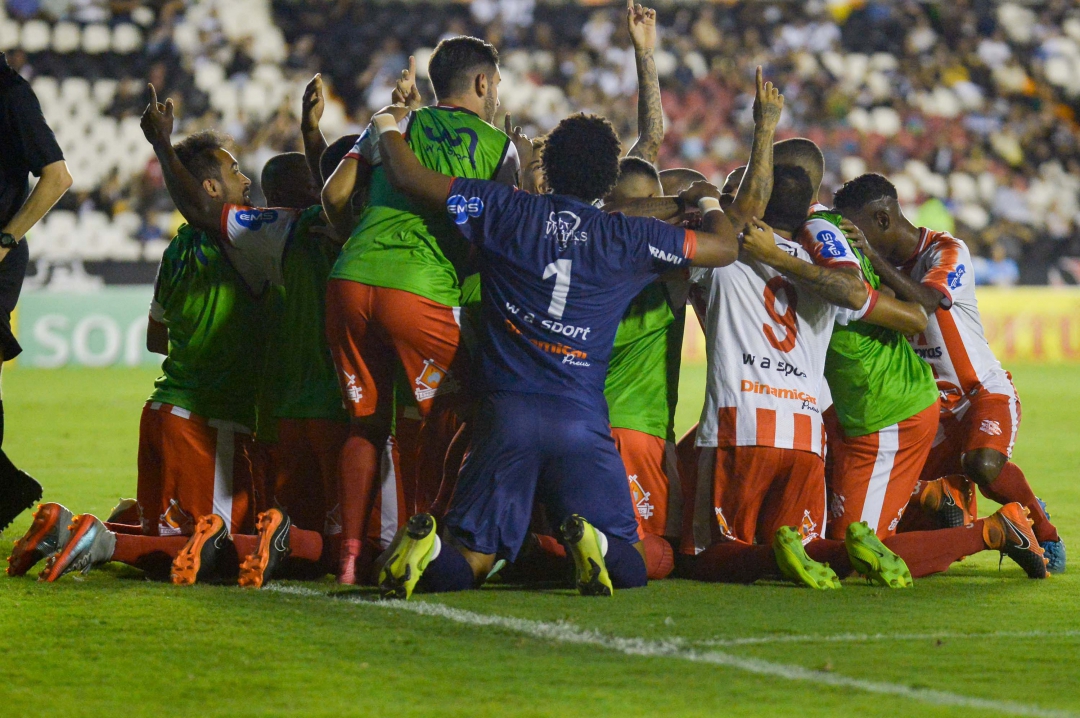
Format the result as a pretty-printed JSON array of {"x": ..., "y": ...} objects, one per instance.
[{"x": 977, "y": 640}]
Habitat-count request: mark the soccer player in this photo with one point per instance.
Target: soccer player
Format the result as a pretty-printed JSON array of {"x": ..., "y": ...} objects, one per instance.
[
  {"x": 395, "y": 291},
  {"x": 980, "y": 410},
  {"x": 557, "y": 275}
]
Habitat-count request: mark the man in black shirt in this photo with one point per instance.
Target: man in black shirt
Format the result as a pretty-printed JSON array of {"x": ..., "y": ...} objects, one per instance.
[{"x": 26, "y": 145}]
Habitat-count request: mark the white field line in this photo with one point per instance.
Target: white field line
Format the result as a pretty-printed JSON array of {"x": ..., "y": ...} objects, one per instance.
[
  {"x": 867, "y": 637},
  {"x": 677, "y": 648}
]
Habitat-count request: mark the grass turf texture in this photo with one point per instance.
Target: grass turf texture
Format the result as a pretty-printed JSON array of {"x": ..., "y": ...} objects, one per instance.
[{"x": 115, "y": 642}]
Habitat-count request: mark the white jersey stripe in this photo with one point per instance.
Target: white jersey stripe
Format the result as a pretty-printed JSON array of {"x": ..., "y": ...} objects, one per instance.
[
  {"x": 888, "y": 443},
  {"x": 224, "y": 458}
]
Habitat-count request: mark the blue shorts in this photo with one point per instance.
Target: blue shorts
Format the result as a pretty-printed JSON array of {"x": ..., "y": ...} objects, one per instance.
[{"x": 528, "y": 447}]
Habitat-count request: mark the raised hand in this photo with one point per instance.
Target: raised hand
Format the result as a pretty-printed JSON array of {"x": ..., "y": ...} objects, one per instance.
[
  {"x": 768, "y": 103},
  {"x": 157, "y": 119},
  {"x": 405, "y": 90},
  {"x": 313, "y": 104},
  {"x": 641, "y": 21},
  {"x": 757, "y": 240},
  {"x": 522, "y": 143}
]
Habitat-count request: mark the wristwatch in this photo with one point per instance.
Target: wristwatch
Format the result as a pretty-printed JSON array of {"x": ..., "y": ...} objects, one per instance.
[{"x": 7, "y": 240}]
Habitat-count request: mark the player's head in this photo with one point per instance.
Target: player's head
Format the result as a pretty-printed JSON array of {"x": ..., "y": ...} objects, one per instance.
[
  {"x": 871, "y": 203},
  {"x": 792, "y": 195},
  {"x": 334, "y": 153},
  {"x": 677, "y": 179},
  {"x": 731, "y": 186},
  {"x": 204, "y": 155},
  {"x": 803, "y": 153},
  {"x": 637, "y": 179},
  {"x": 581, "y": 157},
  {"x": 287, "y": 182},
  {"x": 465, "y": 70}
]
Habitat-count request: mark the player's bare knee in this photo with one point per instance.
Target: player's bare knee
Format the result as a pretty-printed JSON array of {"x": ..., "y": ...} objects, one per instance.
[{"x": 983, "y": 465}]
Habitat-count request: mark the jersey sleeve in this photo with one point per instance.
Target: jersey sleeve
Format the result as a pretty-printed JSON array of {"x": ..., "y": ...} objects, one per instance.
[
  {"x": 949, "y": 269},
  {"x": 483, "y": 210},
  {"x": 509, "y": 171},
  {"x": 34, "y": 137},
  {"x": 659, "y": 246},
  {"x": 257, "y": 238},
  {"x": 367, "y": 145},
  {"x": 827, "y": 245}
]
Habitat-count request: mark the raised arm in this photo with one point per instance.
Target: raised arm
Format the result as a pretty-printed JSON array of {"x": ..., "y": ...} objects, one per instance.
[
  {"x": 905, "y": 287},
  {"x": 641, "y": 21},
  {"x": 198, "y": 207},
  {"x": 338, "y": 191},
  {"x": 753, "y": 194},
  {"x": 663, "y": 208},
  {"x": 311, "y": 113},
  {"x": 403, "y": 170},
  {"x": 717, "y": 240},
  {"x": 842, "y": 287}
]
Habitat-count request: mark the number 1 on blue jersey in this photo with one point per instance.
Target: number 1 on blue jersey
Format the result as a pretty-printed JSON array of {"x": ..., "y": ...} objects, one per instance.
[{"x": 561, "y": 269}]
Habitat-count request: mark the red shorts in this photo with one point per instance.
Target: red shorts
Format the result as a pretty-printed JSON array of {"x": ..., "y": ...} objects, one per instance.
[
  {"x": 189, "y": 467},
  {"x": 368, "y": 327},
  {"x": 988, "y": 421},
  {"x": 302, "y": 472},
  {"x": 872, "y": 476},
  {"x": 652, "y": 472},
  {"x": 756, "y": 490}
]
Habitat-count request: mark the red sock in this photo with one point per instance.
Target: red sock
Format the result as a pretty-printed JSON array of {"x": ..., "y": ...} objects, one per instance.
[
  {"x": 152, "y": 554},
  {"x": 1011, "y": 485},
  {"x": 359, "y": 465},
  {"x": 245, "y": 545},
  {"x": 733, "y": 562},
  {"x": 927, "y": 552},
  {"x": 831, "y": 552},
  {"x": 304, "y": 544},
  {"x": 124, "y": 528},
  {"x": 659, "y": 558}
]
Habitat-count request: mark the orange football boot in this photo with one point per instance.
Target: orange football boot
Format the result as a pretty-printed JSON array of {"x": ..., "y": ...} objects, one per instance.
[{"x": 1009, "y": 530}]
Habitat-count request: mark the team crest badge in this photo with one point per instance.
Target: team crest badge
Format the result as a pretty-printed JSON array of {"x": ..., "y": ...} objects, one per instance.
[
  {"x": 641, "y": 498},
  {"x": 353, "y": 391},
  {"x": 175, "y": 521},
  {"x": 433, "y": 380},
  {"x": 807, "y": 528}
]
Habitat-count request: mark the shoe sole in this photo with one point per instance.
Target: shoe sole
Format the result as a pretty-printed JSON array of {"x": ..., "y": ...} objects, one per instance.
[
  {"x": 794, "y": 569},
  {"x": 253, "y": 571},
  {"x": 398, "y": 578},
  {"x": 60, "y": 563},
  {"x": 573, "y": 534},
  {"x": 881, "y": 568},
  {"x": 26, "y": 552},
  {"x": 186, "y": 565}
]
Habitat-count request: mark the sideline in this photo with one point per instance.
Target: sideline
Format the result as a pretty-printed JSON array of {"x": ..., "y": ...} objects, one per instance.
[
  {"x": 868, "y": 637},
  {"x": 678, "y": 649}
]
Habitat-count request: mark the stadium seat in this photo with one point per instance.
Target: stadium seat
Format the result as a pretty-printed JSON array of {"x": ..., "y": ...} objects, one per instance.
[
  {"x": 96, "y": 39},
  {"x": 126, "y": 38},
  {"x": 9, "y": 34},
  {"x": 35, "y": 36},
  {"x": 66, "y": 37}
]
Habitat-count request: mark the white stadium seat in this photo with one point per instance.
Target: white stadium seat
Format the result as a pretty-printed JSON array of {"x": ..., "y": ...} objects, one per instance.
[
  {"x": 126, "y": 38},
  {"x": 9, "y": 35},
  {"x": 66, "y": 37},
  {"x": 35, "y": 36},
  {"x": 96, "y": 39}
]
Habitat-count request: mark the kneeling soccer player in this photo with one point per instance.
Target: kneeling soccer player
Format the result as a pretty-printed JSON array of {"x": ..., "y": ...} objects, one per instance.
[{"x": 557, "y": 276}]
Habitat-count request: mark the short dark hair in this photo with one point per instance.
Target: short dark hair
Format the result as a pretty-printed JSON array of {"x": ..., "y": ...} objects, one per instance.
[
  {"x": 334, "y": 153},
  {"x": 455, "y": 62},
  {"x": 863, "y": 190},
  {"x": 677, "y": 179},
  {"x": 792, "y": 194},
  {"x": 635, "y": 166},
  {"x": 196, "y": 153},
  {"x": 804, "y": 153},
  {"x": 282, "y": 178},
  {"x": 581, "y": 157}
]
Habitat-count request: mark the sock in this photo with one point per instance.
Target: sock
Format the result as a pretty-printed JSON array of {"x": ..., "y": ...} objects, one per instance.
[
  {"x": 448, "y": 572},
  {"x": 833, "y": 553},
  {"x": 359, "y": 465},
  {"x": 733, "y": 562},
  {"x": 126, "y": 529},
  {"x": 1011, "y": 485},
  {"x": 153, "y": 554},
  {"x": 659, "y": 557},
  {"x": 625, "y": 565},
  {"x": 245, "y": 545},
  {"x": 927, "y": 552},
  {"x": 305, "y": 545}
]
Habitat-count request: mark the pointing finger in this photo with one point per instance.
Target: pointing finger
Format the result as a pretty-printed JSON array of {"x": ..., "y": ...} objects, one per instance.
[
  {"x": 759, "y": 83},
  {"x": 153, "y": 94}
]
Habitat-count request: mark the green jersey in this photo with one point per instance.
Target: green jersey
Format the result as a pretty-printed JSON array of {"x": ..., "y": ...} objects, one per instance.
[
  {"x": 642, "y": 386},
  {"x": 401, "y": 246},
  {"x": 875, "y": 377},
  {"x": 299, "y": 380},
  {"x": 214, "y": 331}
]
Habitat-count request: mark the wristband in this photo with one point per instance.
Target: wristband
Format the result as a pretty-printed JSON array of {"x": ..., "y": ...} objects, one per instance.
[
  {"x": 384, "y": 122},
  {"x": 708, "y": 204}
]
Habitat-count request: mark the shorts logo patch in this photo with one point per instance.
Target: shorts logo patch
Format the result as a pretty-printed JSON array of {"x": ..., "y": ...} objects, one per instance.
[
  {"x": 991, "y": 427},
  {"x": 175, "y": 521},
  {"x": 353, "y": 391},
  {"x": 956, "y": 277},
  {"x": 807, "y": 527},
  {"x": 722, "y": 523},
  {"x": 641, "y": 498},
  {"x": 836, "y": 506},
  {"x": 433, "y": 380},
  {"x": 255, "y": 219},
  {"x": 830, "y": 244},
  {"x": 461, "y": 209}
]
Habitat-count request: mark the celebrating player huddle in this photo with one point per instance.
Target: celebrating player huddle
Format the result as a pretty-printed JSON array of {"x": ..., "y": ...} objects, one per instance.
[{"x": 447, "y": 352}]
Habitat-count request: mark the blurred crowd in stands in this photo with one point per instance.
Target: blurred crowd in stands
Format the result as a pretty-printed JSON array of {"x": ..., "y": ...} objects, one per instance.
[{"x": 970, "y": 106}]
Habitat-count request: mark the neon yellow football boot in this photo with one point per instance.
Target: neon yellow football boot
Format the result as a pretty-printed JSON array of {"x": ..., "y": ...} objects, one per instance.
[
  {"x": 872, "y": 559},
  {"x": 796, "y": 565},
  {"x": 414, "y": 547},
  {"x": 588, "y": 546}
]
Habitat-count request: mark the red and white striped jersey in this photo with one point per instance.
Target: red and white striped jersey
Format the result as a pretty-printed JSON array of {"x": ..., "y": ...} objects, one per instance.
[
  {"x": 766, "y": 339},
  {"x": 954, "y": 343}
]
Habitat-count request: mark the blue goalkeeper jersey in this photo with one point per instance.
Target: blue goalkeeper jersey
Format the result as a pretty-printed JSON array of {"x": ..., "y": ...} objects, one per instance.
[{"x": 557, "y": 276}]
